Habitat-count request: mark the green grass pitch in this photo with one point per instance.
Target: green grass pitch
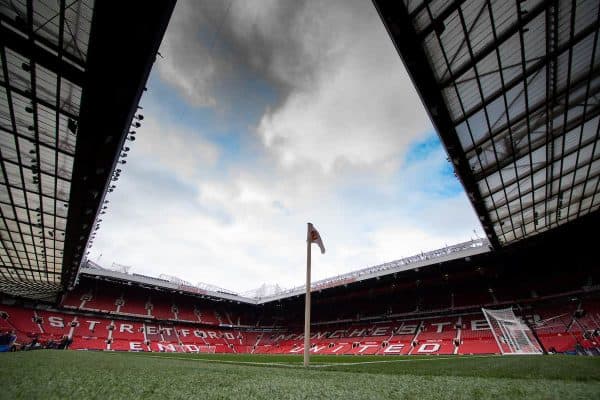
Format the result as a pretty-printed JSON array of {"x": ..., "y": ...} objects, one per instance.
[{"x": 52, "y": 374}]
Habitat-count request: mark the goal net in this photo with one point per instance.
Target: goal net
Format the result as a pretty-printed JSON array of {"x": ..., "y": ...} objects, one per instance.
[{"x": 511, "y": 333}]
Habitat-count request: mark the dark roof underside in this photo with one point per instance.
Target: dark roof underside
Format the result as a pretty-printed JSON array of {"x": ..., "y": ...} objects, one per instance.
[
  {"x": 512, "y": 88},
  {"x": 39, "y": 114},
  {"x": 71, "y": 75}
]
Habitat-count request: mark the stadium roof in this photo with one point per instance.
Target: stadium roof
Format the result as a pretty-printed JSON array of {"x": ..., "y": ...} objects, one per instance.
[
  {"x": 71, "y": 76},
  {"x": 438, "y": 256},
  {"x": 512, "y": 88}
]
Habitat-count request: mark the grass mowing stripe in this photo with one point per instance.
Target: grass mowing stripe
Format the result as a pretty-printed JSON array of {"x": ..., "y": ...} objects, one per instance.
[
  {"x": 396, "y": 361},
  {"x": 271, "y": 364}
]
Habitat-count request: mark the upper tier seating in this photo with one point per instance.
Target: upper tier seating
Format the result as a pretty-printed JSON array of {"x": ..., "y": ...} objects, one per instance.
[
  {"x": 162, "y": 308},
  {"x": 103, "y": 299},
  {"x": 208, "y": 316},
  {"x": 186, "y": 312},
  {"x": 74, "y": 298},
  {"x": 134, "y": 302}
]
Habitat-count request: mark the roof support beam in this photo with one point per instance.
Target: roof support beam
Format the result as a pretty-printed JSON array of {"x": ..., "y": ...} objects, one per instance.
[
  {"x": 40, "y": 55},
  {"x": 540, "y": 107},
  {"x": 42, "y": 144},
  {"x": 557, "y": 133},
  {"x": 551, "y": 210},
  {"x": 38, "y": 100},
  {"x": 491, "y": 47},
  {"x": 543, "y": 183},
  {"x": 439, "y": 21},
  {"x": 32, "y": 169},
  {"x": 544, "y": 61},
  {"x": 33, "y": 192}
]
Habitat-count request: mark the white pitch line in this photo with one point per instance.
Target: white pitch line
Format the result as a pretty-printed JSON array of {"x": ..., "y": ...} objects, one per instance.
[{"x": 433, "y": 358}]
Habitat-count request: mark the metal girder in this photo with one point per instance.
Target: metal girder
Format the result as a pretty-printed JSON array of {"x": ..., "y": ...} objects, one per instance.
[
  {"x": 493, "y": 45},
  {"x": 40, "y": 55},
  {"x": 537, "y": 66}
]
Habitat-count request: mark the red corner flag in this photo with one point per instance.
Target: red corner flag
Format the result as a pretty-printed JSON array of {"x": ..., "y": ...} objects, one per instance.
[{"x": 314, "y": 237}]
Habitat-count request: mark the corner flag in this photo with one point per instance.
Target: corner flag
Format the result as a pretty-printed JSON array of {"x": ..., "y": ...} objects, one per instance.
[{"x": 314, "y": 237}]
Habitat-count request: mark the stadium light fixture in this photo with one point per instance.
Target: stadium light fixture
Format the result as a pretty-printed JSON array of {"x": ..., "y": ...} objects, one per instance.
[{"x": 72, "y": 125}]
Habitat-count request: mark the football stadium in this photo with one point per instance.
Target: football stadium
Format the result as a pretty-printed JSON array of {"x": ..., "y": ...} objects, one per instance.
[{"x": 510, "y": 89}]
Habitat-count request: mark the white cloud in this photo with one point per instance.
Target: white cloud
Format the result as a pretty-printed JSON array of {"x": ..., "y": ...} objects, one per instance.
[
  {"x": 332, "y": 151},
  {"x": 249, "y": 228},
  {"x": 176, "y": 147},
  {"x": 362, "y": 109}
]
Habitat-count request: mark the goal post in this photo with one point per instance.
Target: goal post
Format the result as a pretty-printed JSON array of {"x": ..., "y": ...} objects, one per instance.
[{"x": 512, "y": 335}]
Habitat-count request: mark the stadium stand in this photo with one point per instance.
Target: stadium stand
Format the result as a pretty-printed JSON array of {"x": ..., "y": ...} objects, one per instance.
[
  {"x": 433, "y": 311},
  {"x": 461, "y": 334}
]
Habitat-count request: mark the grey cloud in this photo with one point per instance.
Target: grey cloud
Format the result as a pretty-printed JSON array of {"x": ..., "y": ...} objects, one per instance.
[
  {"x": 344, "y": 96},
  {"x": 210, "y": 43}
]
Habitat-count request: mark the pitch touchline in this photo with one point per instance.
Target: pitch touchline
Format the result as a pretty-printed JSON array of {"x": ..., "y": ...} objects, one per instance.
[{"x": 395, "y": 361}]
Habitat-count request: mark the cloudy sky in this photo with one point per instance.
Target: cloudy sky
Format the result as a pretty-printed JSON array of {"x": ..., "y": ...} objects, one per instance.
[{"x": 262, "y": 116}]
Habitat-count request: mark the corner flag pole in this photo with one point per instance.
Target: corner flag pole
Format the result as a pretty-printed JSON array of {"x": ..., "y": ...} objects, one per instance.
[{"x": 307, "y": 304}]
